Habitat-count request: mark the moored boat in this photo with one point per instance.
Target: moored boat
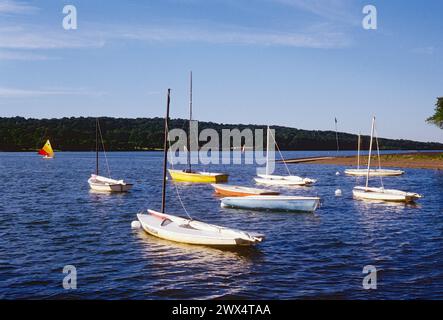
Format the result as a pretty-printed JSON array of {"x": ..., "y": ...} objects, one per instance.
[
  {"x": 100, "y": 183},
  {"x": 188, "y": 230},
  {"x": 198, "y": 176},
  {"x": 273, "y": 203},
  {"x": 381, "y": 194},
  {"x": 240, "y": 191},
  {"x": 374, "y": 172},
  {"x": 276, "y": 180},
  {"x": 188, "y": 174},
  {"x": 103, "y": 184}
]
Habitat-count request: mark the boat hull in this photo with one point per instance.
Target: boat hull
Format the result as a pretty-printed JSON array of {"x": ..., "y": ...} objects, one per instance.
[
  {"x": 108, "y": 185},
  {"x": 238, "y": 191},
  {"x": 274, "y": 180},
  {"x": 374, "y": 172},
  {"x": 198, "y": 177},
  {"x": 188, "y": 231},
  {"x": 380, "y": 194},
  {"x": 272, "y": 203}
]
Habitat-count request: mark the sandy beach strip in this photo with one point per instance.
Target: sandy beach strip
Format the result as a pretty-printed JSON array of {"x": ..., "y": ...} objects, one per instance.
[{"x": 418, "y": 160}]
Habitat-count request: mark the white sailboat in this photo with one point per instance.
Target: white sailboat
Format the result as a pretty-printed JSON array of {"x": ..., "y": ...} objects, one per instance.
[
  {"x": 277, "y": 180},
  {"x": 381, "y": 194},
  {"x": 188, "y": 230},
  {"x": 372, "y": 172},
  {"x": 100, "y": 183}
]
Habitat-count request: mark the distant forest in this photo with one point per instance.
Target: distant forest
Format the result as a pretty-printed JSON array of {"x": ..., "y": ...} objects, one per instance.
[{"x": 120, "y": 134}]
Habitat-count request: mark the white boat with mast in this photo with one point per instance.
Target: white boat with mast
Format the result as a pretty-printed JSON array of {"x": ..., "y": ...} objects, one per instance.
[
  {"x": 100, "y": 183},
  {"x": 381, "y": 194},
  {"x": 372, "y": 172},
  {"x": 188, "y": 230},
  {"x": 278, "y": 180}
]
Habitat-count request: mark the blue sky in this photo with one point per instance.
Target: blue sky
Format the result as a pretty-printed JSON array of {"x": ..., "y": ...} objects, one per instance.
[{"x": 297, "y": 63}]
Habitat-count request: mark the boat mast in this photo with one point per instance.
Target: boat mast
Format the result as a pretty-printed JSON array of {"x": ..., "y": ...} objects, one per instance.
[
  {"x": 267, "y": 150},
  {"x": 370, "y": 152},
  {"x": 190, "y": 120},
  {"x": 336, "y": 136},
  {"x": 358, "y": 151},
  {"x": 96, "y": 146},
  {"x": 165, "y": 151}
]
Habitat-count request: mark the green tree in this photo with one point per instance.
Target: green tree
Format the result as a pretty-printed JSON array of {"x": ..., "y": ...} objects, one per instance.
[{"x": 437, "y": 118}]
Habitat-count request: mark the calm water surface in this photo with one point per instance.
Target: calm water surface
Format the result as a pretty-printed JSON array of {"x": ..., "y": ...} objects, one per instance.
[{"x": 49, "y": 219}]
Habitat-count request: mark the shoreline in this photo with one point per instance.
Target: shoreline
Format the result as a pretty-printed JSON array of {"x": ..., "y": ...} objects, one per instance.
[{"x": 415, "y": 160}]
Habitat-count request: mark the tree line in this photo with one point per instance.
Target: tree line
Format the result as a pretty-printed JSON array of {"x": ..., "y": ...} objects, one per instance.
[{"x": 122, "y": 134}]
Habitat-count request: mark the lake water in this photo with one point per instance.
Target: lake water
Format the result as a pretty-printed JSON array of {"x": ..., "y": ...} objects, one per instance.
[{"x": 49, "y": 219}]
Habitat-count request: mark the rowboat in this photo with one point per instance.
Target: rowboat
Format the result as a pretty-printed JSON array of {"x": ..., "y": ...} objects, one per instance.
[
  {"x": 103, "y": 184},
  {"x": 239, "y": 191},
  {"x": 100, "y": 183},
  {"x": 280, "y": 203},
  {"x": 46, "y": 151},
  {"x": 276, "y": 180},
  {"x": 381, "y": 194},
  {"x": 198, "y": 176},
  {"x": 372, "y": 172},
  {"x": 188, "y": 230},
  {"x": 384, "y": 194},
  {"x": 283, "y": 180},
  {"x": 189, "y": 175}
]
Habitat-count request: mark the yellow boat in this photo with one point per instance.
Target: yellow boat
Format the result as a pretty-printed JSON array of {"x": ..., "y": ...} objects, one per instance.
[
  {"x": 198, "y": 177},
  {"x": 189, "y": 175}
]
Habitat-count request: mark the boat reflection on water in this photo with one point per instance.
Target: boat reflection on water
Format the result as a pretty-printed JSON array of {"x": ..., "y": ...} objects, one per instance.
[
  {"x": 108, "y": 198},
  {"x": 177, "y": 270},
  {"x": 171, "y": 247},
  {"x": 371, "y": 206}
]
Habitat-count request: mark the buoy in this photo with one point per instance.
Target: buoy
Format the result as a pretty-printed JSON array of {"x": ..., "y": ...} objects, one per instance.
[
  {"x": 136, "y": 225},
  {"x": 338, "y": 193},
  {"x": 337, "y": 173}
]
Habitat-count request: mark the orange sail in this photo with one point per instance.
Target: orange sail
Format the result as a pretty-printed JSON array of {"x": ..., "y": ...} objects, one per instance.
[{"x": 46, "y": 150}]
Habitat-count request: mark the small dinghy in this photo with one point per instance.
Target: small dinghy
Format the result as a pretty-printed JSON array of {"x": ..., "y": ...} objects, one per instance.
[
  {"x": 373, "y": 172},
  {"x": 381, "y": 194},
  {"x": 274, "y": 203},
  {"x": 100, "y": 183},
  {"x": 189, "y": 231},
  {"x": 275, "y": 180},
  {"x": 103, "y": 184},
  {"x": 239, "y": 191},
  {"x": 46, "y": 151}
]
